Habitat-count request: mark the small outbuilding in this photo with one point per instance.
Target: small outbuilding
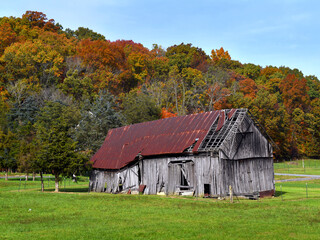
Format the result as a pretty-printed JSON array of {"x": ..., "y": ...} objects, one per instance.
[{"x": 200, "y": 154}]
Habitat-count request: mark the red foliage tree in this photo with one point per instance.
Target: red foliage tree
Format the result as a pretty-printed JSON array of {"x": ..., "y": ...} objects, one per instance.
[{"x": 294, "y": 93}]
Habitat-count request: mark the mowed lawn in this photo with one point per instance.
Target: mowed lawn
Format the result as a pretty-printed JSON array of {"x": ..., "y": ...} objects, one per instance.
[
  {"x": 27, "y": 213},
  {"x": 307, "y": 166}
]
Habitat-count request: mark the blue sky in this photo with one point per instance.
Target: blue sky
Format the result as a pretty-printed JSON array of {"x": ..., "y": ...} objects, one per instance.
[{"x": 278, "y": 33}]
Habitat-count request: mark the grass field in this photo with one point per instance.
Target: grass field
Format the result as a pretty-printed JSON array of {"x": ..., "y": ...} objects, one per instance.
[
  {"x": 311, "y": 167},
  {"x": 27, "y": 213}
]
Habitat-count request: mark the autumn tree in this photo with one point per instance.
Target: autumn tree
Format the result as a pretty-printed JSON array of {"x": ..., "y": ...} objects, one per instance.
[
  {"x": 7, "y": 36},
  {"x": 185, "y": 55},
  {"x": 212, "y": 89},
  {"x": 273, "y": 116},
  {"x": 34, "y": 61},
  {"x": 248, "y": 87},
  {"x": 167, "y": 113},
  {"x": 218, "y": 54},
  {"x": 295, "y": 93},
  {"x": 40, "y": 20}
]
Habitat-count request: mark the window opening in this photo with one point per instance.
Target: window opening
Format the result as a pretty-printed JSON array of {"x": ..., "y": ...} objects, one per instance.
[
  {"x": 120, "y": 184},
  {"x": 183, "y": 179}
]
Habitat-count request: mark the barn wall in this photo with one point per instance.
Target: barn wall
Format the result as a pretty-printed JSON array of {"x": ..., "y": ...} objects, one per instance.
[
  {"x": 247, "y": 143},
  {"x": 246, "y": 176},
  {"x": 112, "y": 181}
]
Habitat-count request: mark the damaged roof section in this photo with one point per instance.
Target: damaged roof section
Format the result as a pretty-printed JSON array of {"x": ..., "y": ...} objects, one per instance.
[{"x": 224, "y": 128}]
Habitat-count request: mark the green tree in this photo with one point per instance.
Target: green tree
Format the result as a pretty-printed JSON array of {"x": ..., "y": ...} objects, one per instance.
[
  {"x": 77, "y": 86},
  {"x": 84, "y": 33},
  {"x": 8, "y": 151},
  {"x": 96, "y": 120},
  {"x": 250, "y": 70},
  {"x": 139, "y": 106},
  {"x": 57, "y": 150}
]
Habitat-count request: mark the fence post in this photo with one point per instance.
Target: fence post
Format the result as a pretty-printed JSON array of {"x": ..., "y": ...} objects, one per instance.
[
  {"x": 19, "y": 185},
  {"x": 231, "y": 194},
  {"x": 307, "y": 190}
]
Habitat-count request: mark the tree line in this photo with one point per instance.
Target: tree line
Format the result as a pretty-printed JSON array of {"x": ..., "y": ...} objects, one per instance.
[{"x": 61, "y": 90}]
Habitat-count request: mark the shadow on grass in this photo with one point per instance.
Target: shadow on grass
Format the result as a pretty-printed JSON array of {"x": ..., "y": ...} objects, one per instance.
[
  {"x": 69, "y": 190},
  {"x": 74, "y": 190},
  {"x": 279, "y": 193}
]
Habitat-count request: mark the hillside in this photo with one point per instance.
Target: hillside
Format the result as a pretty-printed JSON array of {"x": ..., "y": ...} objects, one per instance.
[{"x": 97, "y": 84}]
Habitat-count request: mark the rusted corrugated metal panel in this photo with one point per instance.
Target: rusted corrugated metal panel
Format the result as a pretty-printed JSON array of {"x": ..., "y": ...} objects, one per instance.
[
  {"x": 165, "y": 136},
  {"x": 230, "y": 114},
  {"x": 221, "y": 121}
]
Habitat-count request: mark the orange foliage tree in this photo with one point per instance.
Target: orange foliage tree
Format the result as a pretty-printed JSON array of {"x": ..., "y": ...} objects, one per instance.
[
  {"x": 294, "y": 93},
  {"x": 248, "y": 87},
  {"x": 219, "y": 54},
  {"x": 167, "y": 113}
]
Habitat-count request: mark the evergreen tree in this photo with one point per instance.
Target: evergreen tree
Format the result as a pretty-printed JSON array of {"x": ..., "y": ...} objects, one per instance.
[
  {"x": 96, "y": 120},
  {"x": 57, "y": 150},
  {"x": 8, "y": 151}
]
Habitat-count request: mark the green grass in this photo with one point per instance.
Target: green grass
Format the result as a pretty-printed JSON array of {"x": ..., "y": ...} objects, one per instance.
[
  {"x": 77, "y": 214},
  {"x": 299, "y": 190},
  {"x": 311, "y": 167}
]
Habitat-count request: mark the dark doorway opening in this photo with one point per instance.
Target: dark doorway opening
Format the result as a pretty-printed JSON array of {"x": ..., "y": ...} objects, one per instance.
[{"x": 207, "y": 190}]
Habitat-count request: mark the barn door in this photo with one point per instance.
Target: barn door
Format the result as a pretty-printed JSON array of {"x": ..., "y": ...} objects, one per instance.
[{"x": 181, "y": 177}]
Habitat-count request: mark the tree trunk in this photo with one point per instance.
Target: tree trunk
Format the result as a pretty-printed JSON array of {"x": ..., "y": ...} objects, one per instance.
[
  {"x": 33, "y": 176},
  {"x": 27, "y": 176},
  {"x": 56, "y": 182},
  {"x": 42, "y": 184},
  {"x": 6, "y": 175}
]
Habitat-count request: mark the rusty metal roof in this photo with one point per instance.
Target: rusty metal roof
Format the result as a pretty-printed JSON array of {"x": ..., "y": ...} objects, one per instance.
[{"x": 165, "y": 136}]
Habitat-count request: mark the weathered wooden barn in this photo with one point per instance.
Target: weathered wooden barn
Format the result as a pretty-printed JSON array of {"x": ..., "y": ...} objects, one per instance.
[{"x": 203, "y": 154}]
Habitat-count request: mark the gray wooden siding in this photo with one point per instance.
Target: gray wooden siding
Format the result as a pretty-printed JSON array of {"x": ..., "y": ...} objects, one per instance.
[
  {"x": 111, "y": 181},
  {"x": 247, "y": 176},
  {"x": 247, "y": 143},
  {"x": 164, "y": 175}
]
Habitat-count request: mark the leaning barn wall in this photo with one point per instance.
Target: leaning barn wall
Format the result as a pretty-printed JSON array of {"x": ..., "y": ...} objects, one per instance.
[
  {"x": 114, "y": 181},
  {"x": 161, "y": 175}
]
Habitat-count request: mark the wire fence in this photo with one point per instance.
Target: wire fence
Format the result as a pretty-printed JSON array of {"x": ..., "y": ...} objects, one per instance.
[
  {"x": 298, "y": 190},
  {"x": 66, "y": 184},
  {"x": 307, "y": 166}
]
